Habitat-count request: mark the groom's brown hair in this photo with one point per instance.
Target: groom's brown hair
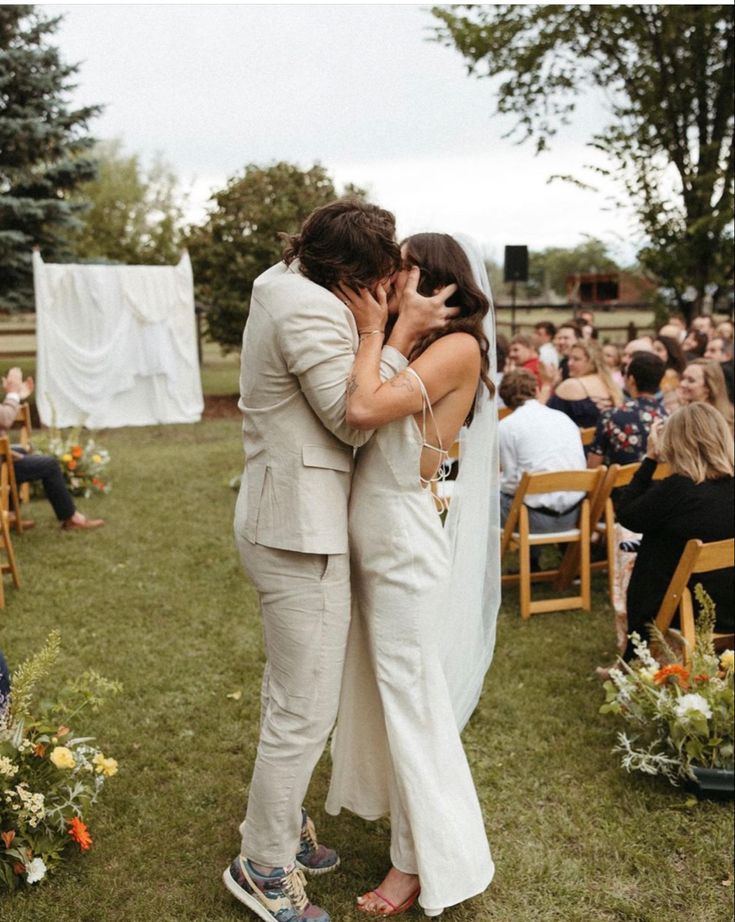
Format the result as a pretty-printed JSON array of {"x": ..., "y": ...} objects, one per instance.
[{"x": 347, "y": 241}]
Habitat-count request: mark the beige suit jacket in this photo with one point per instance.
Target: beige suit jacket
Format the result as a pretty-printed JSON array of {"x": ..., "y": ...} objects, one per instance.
[{"x": 298, "y": 349}]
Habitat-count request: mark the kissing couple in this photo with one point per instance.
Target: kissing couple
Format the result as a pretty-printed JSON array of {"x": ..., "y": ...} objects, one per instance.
[{"x": 362, "y": 361}]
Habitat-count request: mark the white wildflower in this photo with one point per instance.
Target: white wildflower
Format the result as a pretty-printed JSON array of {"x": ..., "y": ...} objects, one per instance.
[
  {"x": 7, "y": 767},
  {"x": 35, "y": 871},
  {"x": 688, "y": 703}
]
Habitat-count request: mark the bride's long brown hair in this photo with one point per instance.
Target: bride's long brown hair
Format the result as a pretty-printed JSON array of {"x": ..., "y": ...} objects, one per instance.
[{"x": 442, "y": 262}]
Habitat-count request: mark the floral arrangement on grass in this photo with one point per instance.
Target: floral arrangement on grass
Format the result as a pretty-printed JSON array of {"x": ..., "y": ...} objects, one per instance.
[
  {"x": 83, "y": 463},
  {"x": 682, "y": 715},
  {"x": 49, "y": 775}
]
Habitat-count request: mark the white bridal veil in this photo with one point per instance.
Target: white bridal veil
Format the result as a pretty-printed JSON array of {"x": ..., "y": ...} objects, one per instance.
[{"x": 467, "y": 628}]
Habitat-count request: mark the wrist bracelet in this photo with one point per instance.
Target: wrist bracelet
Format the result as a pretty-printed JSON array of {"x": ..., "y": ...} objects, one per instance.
[{"x": 371, "y": 333}]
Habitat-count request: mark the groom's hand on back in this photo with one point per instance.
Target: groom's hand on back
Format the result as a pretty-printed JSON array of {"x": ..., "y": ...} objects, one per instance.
[{"x": 418, "y": 315}]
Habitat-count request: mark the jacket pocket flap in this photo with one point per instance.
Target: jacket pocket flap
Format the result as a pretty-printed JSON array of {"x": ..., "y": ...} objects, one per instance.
[{"x": 335, "y": 459}]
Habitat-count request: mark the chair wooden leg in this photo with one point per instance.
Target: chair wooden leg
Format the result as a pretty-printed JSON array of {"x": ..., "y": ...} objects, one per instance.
[
  {"x": 524, "y": 560},
  {"x": 12, "y": 566},
  {"x": 585, "y": 576},
  {"x": 610, "y": 542}
]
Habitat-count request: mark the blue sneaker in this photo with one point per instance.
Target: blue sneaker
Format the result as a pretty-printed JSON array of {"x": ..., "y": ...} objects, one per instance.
[
  {"x": 312, "y": 857},
  {"x": 278, "y": 897}
]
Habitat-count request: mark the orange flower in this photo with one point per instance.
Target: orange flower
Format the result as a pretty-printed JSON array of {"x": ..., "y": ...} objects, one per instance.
[
  {"x": 7, "y": 837},
  {"x": 76, "y": 451},
  {"x": 39, "y": 750},
  {"x": 62, "y": 731},
  {"x": 702, "y": 677},
  {"x": 679, "y": 674},
  {"x": 19, "y": 868},
  {"x": 79, "y": 832},
  {"x": 72, "y": 465}
]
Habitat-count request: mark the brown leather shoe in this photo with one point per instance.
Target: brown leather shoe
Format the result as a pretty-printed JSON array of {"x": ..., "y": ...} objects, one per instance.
[{"x": 82, "y": 522}]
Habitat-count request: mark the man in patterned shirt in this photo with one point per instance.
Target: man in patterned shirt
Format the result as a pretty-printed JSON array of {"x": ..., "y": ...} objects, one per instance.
[{"x": 621, "y": 436}]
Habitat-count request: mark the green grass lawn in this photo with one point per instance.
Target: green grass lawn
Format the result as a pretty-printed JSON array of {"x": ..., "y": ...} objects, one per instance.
[{"x": 157, "y": 599}]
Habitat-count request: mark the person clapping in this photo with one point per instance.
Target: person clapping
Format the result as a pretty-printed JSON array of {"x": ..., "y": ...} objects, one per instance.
[{"x": 30, "y": 467}]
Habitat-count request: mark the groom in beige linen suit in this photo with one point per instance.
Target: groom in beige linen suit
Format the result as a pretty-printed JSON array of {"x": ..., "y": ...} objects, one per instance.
[{"x": 291, "y": 523}]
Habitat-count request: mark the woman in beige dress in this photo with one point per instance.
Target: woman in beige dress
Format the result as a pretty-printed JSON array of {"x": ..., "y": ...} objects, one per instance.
[{"x": 407, "y": 687}]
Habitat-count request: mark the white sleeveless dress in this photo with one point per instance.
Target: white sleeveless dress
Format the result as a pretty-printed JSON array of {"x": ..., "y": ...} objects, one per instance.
[{"x": 396, "y": 749}]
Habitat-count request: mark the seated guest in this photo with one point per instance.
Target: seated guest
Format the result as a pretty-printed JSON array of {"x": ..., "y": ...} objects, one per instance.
[
  {"x": 704, "y": 381},
  {"x": 523, "y": 354},
  {"x": 724, "y": 329},
  {"x": 589, "y": 389},
  {"x": 533, "y": 439},
  {"x": 696, "y": 501},
  {"x": 642, "y": 344},
  {"x": 613, "y": 357},
  {"x": 675, "y": 331},
  {"x": 622, "y": 433},
  {"x": 694, "y": 344},
  {"x": 705, "y": 324},
  {"x": 545, "y": 331},
  {"x": 672, "y": 353},
  {"x": 719, "y": 350},
  {"x": 565, "y": 337},
  {"x": 39, "y": 467}
]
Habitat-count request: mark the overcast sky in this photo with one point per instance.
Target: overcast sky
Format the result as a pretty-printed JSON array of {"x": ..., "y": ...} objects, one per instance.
[{"x": 359, "y": 88}]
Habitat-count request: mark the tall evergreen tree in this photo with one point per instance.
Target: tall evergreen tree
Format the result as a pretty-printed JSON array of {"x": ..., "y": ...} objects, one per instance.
[{"x": 42, "y": 149}]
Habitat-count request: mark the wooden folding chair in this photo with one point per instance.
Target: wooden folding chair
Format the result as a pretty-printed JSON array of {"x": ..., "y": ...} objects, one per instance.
[
  {"x": 602, "y": 523},
  {"x": 6, "y": 545},
  {"x": 697, "y": 557},
  {"x": 588, "y": 435},
  {"x": 12, "y": 492},
  {"x": 517, "y": 534}
]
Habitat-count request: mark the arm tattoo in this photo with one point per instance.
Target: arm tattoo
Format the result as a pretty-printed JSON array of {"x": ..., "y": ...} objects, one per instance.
[
  {"x": 402, "y": 380},
  {"x": 351, "y": 386}
]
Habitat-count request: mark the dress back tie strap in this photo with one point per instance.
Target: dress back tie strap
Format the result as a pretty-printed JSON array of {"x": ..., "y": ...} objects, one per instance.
[{"x": 441, "y": 473}]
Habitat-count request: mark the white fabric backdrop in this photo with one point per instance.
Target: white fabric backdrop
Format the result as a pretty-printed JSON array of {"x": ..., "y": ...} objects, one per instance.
[{"x": 117, "y": 345}]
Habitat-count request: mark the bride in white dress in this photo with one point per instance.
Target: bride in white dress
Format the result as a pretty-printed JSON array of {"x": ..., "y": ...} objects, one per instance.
[{"x": 425, "y": 594}]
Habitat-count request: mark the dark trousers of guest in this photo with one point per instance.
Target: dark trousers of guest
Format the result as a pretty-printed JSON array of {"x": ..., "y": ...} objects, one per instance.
[{"x": 48, "y": 470}]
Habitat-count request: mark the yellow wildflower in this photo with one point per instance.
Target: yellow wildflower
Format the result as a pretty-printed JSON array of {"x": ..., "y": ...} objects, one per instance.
[
  {"x": 62, "y": 757},
  {"x": 96, "y": 458},
  {"x": 104, "y": 766},
  {"x": 66, "y": 457},
  {"x": 727, "y": 660}
]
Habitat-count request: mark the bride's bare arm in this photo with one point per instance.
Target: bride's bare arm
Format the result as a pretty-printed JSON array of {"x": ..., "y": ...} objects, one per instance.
[{"x": 450, "y": 363}]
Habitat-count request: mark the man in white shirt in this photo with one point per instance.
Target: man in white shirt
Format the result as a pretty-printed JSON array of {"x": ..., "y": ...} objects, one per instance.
[
  {"x": 535, "y": 438},
  {"x": 545, "y": 331}
]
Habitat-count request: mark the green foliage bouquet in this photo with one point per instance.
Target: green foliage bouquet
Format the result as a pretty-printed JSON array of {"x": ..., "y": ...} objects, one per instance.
[
  {"x": 83, "y": 464},
  {"x": 49, "y": 777},
  {"x": 682, "y": 716}
]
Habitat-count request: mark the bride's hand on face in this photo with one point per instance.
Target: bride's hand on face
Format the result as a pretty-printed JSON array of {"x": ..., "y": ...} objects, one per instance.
[{"x": 370, "y": 311}]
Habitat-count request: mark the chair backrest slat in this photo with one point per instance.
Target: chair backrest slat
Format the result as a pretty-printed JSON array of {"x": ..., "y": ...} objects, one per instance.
[{"x": 561, "y": 481}]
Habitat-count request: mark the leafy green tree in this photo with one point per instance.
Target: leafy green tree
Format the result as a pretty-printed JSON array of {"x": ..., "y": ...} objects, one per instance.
[
  {"x": 666, "y": 75},
  {"x": 43, "y": 149},
  {"x": 241, "y": 237},
  {"x": 132, "y": 215}
]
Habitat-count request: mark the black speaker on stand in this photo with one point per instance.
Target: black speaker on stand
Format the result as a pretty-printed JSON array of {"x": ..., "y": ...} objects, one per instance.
[{"x": 515, "y": 269}]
